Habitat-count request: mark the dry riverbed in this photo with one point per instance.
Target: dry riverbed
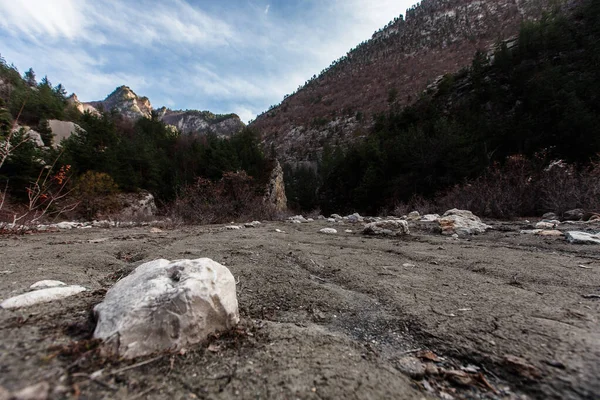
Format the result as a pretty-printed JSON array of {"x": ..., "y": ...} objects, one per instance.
[{"x": 499, "y": 315}]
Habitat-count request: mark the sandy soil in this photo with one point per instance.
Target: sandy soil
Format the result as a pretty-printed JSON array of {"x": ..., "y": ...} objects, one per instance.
[{"x": 323, "y": 316}]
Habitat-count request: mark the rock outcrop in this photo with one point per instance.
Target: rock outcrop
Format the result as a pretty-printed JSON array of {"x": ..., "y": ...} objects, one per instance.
[
  {"x": 276, "y": 189},
  {"x": 166, "y": 305},
  {"x": 126, "y": 102}
]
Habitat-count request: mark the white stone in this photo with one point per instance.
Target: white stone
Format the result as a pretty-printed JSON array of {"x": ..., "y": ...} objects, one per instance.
[
  {"x": 331, "y": 220},
  {"x": 389, "y": 227},
  {"x": 45, "y": 284},
  {"x": 166, "y": 305},
  {"x": 233, "y": 227},
  {"x": 413, "y": 216},
  {"x": 279, "y": 231},
  {"x": 329, "y": 231},
  {"x": 545, "y": 225},
  {"x": 41, "y": 296},
  {"x": 252, "y": 224},
  {"x": 461, "y": 222},
  {"x": 336, "y": 216},
  {"x": 354, "y": 218},
  {"x": 430, "y": 217},
  {"x": 349, "y": 231},
  {"x": 298, "y": 218},
  {"x": 66, "y": 225},
  {"x": 576, "y": 237}
]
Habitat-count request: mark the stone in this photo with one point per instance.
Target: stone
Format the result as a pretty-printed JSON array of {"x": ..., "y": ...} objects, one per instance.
[
  {"x": 331, "y": 220},
  {"x": 576, "y": 237},
  {"x": 233, "y": 228},
  {"x": 275, "y": 193},
  {"x": 550, "y": 216},
  {"x": 413, "y": 216},
  {"x": 41, "y": 296},
  {"x": 336, "y": 216},
  {"x": 66, "y": 225},
  {"x": 45, "y": 284},
  {"x": 349, "y": 231},
  {"x": 430, "y": 218},
  {"x": 461, "y": 222},
  {"x": 389, "y": 228},
  {"x": 354, "y": 218},
  {"x": 574, "y": 215},
  {"x": 139, "y": 204},
  {"x": 252, "y": 224},
  {"x": 329, "y": 231},
  {"x": 299, "y": 218},
  {"x": 545, "y": 225},
  {"x": 35, "y": 137},
  {"x": 553, "y": 232},
  {"x": 166, "y": 305},
  {"x": 279, "y": 231}
]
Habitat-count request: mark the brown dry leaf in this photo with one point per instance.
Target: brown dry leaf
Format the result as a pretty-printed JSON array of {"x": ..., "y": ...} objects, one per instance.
[
  {"x": 428, "y": 355},
  {"x": 522, "y": 367}
]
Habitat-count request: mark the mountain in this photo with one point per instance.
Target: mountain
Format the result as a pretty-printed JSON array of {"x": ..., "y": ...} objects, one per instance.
[
  {"x": 126, "y": 102},
  {"x": 389, "y": 71}
]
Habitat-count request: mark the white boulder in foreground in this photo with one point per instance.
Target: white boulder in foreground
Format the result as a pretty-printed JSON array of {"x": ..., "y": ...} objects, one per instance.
[
  {"x": 389, "y": 228},
  {"x": 166, "y": 305},
  {"x": 461, "y": 222},
  {"x": 582, "y": 237},
  {"x": 41, "y": 296}
]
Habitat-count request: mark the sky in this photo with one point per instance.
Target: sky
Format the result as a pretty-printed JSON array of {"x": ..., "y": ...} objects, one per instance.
[{"x": 224, "y": 56}]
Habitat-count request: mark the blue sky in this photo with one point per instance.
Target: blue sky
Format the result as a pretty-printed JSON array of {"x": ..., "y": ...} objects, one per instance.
[{"x": 224, "y": 56}]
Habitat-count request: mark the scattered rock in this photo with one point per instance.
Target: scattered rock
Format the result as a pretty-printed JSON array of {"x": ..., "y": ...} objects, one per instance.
[
  {"x": 167, "y": 305},
  {"x": 408, "y": 265},
  {"x": 349, "y": 231},
  {"x": 252, "y": 224},
  {"x": 550, "y": 216},
  {"x": 156, "y": 230},
  {"x": 298, "y": 218},
  {"x": 461, "y": 222},
  {"x": 336, "y": 216},
  {"x": 413, "y": 216},
  {"x": 576, "y": 237},
  {"x": 430, "y": 218},
  {"x": 279, "y": 231},
  {"x": 67, "y": 225},
  {"x": 233, "y": 227},
  {"x": 389, "y": 227},
  {"x": 331, "y": 220},
  {"x": 140, "y": 204},
  {"x": 41, "y": 296},
  {"x": 354, "y": 218},
  {"x": 329, "y": 231},
  {"x": 546, "y": 225},
  {"x": 46, "y": 284},
  {"x": 574, "y": 215},
  {"x": 553, "y": 232}
]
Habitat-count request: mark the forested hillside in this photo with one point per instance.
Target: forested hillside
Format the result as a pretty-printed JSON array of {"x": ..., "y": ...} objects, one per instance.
[{"x": 534, "y": 99}]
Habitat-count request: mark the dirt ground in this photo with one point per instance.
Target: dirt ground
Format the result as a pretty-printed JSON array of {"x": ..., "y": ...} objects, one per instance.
[{"x": 499, "y": 315}]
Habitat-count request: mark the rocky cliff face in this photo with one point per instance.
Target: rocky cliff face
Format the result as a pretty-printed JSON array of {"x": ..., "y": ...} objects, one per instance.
[
  {"x": 131, "y": 106},
  {"x": 390, "y": 71},
  {"x": 202, "y": 122}
]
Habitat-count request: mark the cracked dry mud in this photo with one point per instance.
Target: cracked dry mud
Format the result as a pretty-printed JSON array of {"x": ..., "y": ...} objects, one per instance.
[{"x": 323, "y": 316}]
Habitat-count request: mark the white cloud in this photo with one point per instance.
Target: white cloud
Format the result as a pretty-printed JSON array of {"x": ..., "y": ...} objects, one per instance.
[{"x": 225, "y": 56}]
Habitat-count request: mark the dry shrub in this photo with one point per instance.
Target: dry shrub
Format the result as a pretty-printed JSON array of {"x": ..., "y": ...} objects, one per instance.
[
  {"x": 233, "y": 198},
  {"x": 97, "y": 192},
  {"x": 520, "y": 188}
]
